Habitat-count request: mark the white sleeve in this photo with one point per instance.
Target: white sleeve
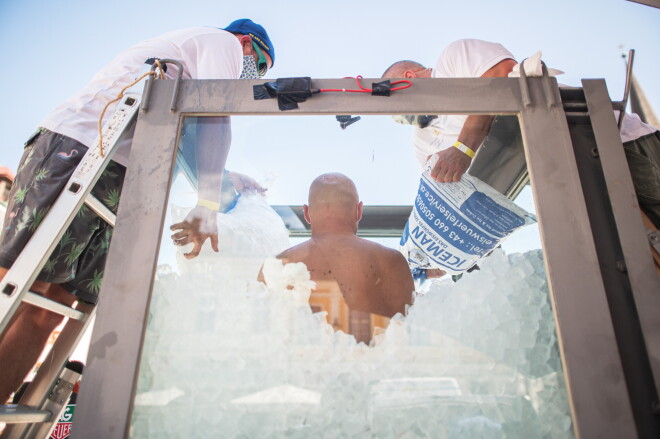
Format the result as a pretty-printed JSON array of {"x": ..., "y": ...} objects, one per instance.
[
  {"x": 213, "y": 55},
  {"x": 452, "y": 61},
  {"x": 469, "y": 58}
]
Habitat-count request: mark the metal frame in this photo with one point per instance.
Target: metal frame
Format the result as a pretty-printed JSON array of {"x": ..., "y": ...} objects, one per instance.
[
  {"x": 639, "y": 263},
  {"x": 595, "y": 378}
]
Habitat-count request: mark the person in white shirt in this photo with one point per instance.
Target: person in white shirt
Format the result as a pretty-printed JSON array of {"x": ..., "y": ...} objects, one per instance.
[
  {"x": 456, "y": 138},
  {"x": 461, "y": 59},
  {"x": 74, "y": 271}
]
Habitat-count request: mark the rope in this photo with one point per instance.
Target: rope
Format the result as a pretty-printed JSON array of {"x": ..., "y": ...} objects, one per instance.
[{"x": 160, "y": 75}]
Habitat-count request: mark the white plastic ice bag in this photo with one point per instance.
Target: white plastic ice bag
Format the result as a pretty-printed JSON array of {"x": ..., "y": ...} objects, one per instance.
[
  {"x": 453, "y": 225},
  {"x": 247, "y": 234}
]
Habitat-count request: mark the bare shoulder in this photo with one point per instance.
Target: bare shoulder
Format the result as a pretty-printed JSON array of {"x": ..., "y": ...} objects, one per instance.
[
  {"x": 389, "y": 255},
  {"x": 396, "y": 291},
  {"x": 295, "y": 253},
  {"x": 396, "y": 259}
]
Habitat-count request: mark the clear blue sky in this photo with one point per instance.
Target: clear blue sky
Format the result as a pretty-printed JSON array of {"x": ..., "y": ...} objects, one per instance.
[{"x": 50, "y": 49}]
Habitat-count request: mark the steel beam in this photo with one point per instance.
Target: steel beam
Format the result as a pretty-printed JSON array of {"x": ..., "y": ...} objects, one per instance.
[
  {"x": 597, "y": 388},
  {"x": 107, "y": 390},
  {"x": 639, "y": 261}
]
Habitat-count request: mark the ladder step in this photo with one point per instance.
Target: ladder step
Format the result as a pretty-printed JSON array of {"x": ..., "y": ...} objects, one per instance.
[
  {"x": 42, "y": 302},
  {"x": 99, "y": 208},
  {"x": 19, "y": 414}
]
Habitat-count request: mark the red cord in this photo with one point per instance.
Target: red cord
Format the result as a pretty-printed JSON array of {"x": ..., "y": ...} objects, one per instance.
[{"x": 368, "y": 90}]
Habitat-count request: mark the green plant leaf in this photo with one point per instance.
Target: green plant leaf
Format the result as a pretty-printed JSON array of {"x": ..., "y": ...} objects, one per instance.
[
  {"x": 38, "y": 217},
  {"x": 94, "y": 284},
  {"x": 74, "y": 254},
  {"x": 49, "y": 266},
  {"x": 112, "y": 199},
  {"x": 20, "y": 194},
  {"x": 84, "y": 209},
  {"x": 41, "y": 174}
]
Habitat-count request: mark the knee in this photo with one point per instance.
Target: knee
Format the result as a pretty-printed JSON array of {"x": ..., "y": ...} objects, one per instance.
[{"x": 41, "y": 320}]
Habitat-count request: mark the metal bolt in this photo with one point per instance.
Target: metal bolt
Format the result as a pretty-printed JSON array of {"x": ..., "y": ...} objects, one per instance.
[
  {"x": 594, "y": 152},
  {"x": 621, "y": 266}
]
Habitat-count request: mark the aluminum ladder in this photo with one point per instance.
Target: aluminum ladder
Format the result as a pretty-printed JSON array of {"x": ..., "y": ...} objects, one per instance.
[{"x": 42, "y": 404}]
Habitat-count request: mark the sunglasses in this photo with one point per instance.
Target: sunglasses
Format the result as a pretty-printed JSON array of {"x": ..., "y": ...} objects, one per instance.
[{"x": 262, "y": 63}]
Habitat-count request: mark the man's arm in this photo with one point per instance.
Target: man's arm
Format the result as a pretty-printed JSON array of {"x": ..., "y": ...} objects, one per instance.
[
  {"x": 399, "y": 282},
  {"x": 213, "y": 143},
  {"x": 452, "y": 163}
]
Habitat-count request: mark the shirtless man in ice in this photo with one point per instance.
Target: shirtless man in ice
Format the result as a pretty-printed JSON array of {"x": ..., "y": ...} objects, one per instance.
[{"x": 372, "y": 278}]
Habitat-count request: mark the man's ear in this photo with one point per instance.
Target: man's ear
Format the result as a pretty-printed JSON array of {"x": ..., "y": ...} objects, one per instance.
[
  {"x": 409, "y": 74},
  {"x": 306, "y": 214},
  {"x": 359, "y": 211},
  {"x": 246, "y": 42}
]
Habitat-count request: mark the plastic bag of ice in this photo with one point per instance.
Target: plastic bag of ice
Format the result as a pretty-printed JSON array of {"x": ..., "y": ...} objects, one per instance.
[
  {"x": 247, "y": 234},
  {"x": 453, "y": 225}
]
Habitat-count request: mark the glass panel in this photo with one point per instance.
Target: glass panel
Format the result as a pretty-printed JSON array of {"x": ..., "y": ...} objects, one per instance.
[{"x": 227, "y": 356}]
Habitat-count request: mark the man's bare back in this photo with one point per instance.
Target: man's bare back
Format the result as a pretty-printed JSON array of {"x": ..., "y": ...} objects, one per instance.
[{"x": 371, "y": 278}]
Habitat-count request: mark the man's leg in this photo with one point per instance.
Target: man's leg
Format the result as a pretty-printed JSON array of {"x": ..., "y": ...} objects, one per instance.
[
  {"x": 643, "y": 156},
  {"x": 48, "y": 162},
  {"x": 26, "y": 336}
]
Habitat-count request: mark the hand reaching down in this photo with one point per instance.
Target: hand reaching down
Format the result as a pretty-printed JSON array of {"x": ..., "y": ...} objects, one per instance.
[
  {"x": 199, "y": 225},
  {"x": 451, "y": 165},
  {"x": 243, "y": 183}
]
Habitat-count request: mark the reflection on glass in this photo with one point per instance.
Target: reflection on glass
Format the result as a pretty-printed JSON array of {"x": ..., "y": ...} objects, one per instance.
[{"x": 227, "y": 356}]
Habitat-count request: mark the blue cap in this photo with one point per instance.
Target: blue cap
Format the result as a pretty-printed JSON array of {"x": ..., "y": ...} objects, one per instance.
[{"x": 245, "y": 26}]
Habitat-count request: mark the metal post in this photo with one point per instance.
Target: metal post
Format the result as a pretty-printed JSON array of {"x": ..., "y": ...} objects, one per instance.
[
  {"x": 639, "y": 262},
  {"x": 592, "y": 365}
]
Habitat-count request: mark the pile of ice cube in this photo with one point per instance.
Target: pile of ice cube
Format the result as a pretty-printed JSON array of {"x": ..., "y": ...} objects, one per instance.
[{"x": 227, "y": 357}]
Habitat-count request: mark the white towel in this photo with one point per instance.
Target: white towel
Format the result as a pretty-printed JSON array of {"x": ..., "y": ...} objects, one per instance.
[{"x": 533, "y": 67}]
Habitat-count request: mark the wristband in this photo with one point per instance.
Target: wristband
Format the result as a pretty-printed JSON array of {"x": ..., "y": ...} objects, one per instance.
[
  {"x": 467, "y": 151},
  {"x": 209, "y": 204}
]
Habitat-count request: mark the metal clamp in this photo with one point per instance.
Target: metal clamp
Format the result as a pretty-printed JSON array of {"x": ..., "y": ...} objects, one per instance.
[
  {"x": 61, "y": 391},
  {"x": 177, "y": 84},
  {"x": 524, "y": 88},
  {"x": 548, "y": 92},
  {"x": 547, "y": 87},
  {"x": 654, "y": 239}
]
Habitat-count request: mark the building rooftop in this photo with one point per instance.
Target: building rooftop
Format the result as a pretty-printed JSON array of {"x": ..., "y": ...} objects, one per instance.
[{"x": 6, "y": 173}]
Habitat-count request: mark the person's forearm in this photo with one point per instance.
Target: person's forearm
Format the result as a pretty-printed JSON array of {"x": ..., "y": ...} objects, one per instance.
[
  {"x": 213, "y": 143},
  {"x": 474, "y": 131}
]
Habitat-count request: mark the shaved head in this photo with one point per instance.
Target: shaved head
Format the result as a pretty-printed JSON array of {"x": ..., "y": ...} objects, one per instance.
[
  {"x": 333, "y": 190},
  {"x": 333, "y": 204},
  {"x": 397, "y": 69}
]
